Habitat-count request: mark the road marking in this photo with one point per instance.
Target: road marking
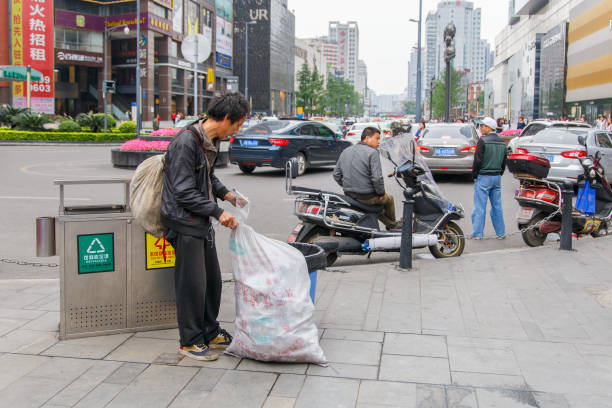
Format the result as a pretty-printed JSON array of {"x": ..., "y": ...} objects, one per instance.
[
  {"x": 63, "y": 165},
  {"x": 42, "y": 198}
]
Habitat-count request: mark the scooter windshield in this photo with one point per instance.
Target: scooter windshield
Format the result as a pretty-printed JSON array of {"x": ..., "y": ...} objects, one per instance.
[{"x": 401, "y": 149}]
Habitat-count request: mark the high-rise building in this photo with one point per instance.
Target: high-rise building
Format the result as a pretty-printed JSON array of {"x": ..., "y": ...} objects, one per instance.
[
  {"x": 470, "y": 50},
  {"x": 271, "y": 62},
  {"x": 346, "y": 38},
  {"x": 412, "y": 74},
  {"x": 362, "y": 79},
  {"x": 329, "y": 51},
  {"x": 311, "y": 53}
]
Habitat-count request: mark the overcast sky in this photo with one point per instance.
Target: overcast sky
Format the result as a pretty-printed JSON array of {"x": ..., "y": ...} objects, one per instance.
[{"x": 385, "y": 35}]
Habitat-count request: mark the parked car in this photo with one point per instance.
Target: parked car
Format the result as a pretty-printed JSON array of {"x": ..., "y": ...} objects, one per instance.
[
  {"x": 564, "y": 146},
  {"x": 353, "y": 135},
  {"x": 448, "y": 147},
  {"x": 272, "y": 143},
  {"x": 337, "y": 130},
  {"x": 248, "y": 123},
  {"x": 536, "y": 125}
]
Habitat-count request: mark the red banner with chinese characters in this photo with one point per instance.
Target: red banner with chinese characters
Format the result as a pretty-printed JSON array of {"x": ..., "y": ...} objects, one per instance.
[{"x": 32, "y": 44}]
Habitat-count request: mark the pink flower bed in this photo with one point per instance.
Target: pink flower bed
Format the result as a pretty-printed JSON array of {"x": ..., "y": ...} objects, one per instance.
[
  {"x": 139, "y": 145},
  {"x": 165, "y": 132},
  {"x": 510, "y": 132}
]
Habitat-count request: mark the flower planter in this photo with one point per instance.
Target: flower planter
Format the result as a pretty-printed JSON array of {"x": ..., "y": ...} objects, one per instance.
[{"x": 131, "y": 159}]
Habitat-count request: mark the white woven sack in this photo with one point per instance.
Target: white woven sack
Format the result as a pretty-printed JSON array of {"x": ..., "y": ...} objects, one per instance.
[
  {"x": 146, "y": 194},
  {"x": 274, "y": 313}
]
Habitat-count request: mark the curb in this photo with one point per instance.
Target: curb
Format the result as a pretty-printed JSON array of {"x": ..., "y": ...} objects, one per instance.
[{"x": 57, "y": 143}]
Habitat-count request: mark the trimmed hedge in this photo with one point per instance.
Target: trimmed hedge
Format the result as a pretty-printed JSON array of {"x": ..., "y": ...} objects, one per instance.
[{"x": 65, "y": 136}]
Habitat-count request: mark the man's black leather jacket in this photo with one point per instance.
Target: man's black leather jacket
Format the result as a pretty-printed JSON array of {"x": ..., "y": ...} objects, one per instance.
[{"x": 186, "y": 202}]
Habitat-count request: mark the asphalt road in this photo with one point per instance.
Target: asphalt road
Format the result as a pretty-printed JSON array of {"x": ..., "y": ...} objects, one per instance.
[{"x": 28, "y": 172}]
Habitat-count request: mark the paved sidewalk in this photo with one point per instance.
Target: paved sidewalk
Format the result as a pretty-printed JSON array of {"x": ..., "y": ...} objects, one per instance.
[{"x": 518, "y": 328}]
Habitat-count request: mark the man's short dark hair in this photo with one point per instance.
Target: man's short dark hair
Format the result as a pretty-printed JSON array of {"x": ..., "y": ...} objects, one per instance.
[
  {"x": 232, "y": 104},
  {"x": 369, "y": 131}
]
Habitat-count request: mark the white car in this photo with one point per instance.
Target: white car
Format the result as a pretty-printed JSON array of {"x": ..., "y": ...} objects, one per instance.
[
  {"x": 535, "y": 126},
  {"x": 353, "y": 135}
]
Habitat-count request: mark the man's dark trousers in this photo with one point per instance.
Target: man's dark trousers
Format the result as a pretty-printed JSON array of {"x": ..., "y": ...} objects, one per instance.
[{"x": 197, "y": 284}]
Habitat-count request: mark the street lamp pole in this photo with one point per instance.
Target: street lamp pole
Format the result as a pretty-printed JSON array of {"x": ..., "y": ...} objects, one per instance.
[
  {"x": 246, "y": 60},
  {"x": 433, "y": 78},
  {"x": 418, "y": 73},
  {"x": 449, "y": 54},
  {"x": 138, "y": 90},
  {"x": 126, "y": 30}
]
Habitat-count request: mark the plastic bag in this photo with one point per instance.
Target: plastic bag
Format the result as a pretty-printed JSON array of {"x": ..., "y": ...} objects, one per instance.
[
  {"x": 585, "y": 202},
  {"x": 146, "y": 195},
  {"x": 274, "y": 313}
]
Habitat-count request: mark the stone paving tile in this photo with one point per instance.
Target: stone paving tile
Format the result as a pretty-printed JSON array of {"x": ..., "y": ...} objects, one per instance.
[
  {"x": 385, "y": 393},
  {"x": 288, "y": 385},
  {"x": 23, "y": 394},
  {"x": 47, "y": 322},
  {"x": 143, "y": 350},
  {"x": 481, "y": 360},
  {"x": 241, "y": 389},
  {"x": 189, "y": 398},
  {"x": 41, "y": 303},
  {"x": 205, "y": 379},
  {"x": 279, "y": 402},
  {"x": 351, "y": 352},
  {"x": 67, "y": 369},
  {"x": 414, "y": 369},
  {"x": 85, "y": 383},
  {"x": 399, "y": 317},
  {"x": 430, "y": 396},
  {"x": 283, "y": 368},
  {"x": 549, "y": 400},
  {"x": 328, "y": 392},
  {"x": 357, "y": 335},
  {"x": 20, "y": 314},
  {"x": 402, "y": 287},
  {"x": 15, "y": 366},
  {"x": 505, "y": 398},
  {"x": 225, "y": 361},
  {"x": 8, "y": 325},
  {"x": 360, "y": 371},
  {"x": 348, "y": 307},
  {"x": 126, "y": 373},
  {"x": 415, "y": 345},
  {"x": 558, "y": 367},
  {"x": 154, "y": 387},
  {"x": 461, "y": 398},
  {"x": 100, "y": 396},
  {"x": 27, "y": 341},
  {"x": 440, "y": 310},
  {"x": 12, "y": 300},
  {"x": 168, "y": 334},
  {"x": 587, "y": 401},
  {"x": 512, "y": 382},
  {"x": 87, "y": 347}
]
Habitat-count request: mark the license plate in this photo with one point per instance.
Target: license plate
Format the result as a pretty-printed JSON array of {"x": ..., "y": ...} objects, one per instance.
[
  {"x": 444, "y": 151},
  {"x": 549, "y": 157},
  {"x": 525, "y": 213},
  {"x": 249, "y": 143}
]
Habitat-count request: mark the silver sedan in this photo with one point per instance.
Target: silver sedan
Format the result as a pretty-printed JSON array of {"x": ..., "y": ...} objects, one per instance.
[
  {"x": 563, "y": 148},
  {"x": 448, "y": 147}
]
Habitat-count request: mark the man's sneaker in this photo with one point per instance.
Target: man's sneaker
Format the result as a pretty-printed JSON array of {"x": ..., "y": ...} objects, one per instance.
[
  {"x": 222, "y": 341},
  {"x": 475, "y": 238},
  {"x": 501, "y": 237},
  {"x": 198, "y": 352}
]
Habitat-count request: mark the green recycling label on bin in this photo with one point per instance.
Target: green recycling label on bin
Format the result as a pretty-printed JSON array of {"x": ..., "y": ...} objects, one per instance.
[{"x": 96, "y": 253}]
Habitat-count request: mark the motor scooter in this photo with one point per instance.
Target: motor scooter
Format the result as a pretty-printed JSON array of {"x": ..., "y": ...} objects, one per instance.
[
  {"x": 541, "y": 200},
  {"x": 343, "y": 225}
]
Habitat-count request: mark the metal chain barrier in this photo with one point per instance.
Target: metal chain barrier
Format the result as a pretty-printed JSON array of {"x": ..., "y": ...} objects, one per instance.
[
  {"x": 536, "y": 225},
  {"x": 25, "y": 263}
]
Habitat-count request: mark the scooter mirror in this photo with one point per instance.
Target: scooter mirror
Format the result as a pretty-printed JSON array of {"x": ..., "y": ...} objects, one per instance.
[
  {"x": 598, "y": 155},
  {"x": 582, "y": 140}
]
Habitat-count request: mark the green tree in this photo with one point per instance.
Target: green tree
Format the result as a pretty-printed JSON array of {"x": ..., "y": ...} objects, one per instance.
[
  {"x": 410, "y": 107},
  {"x": 341, "y": 98},
  {"x": 310, "y": 92},
  {"x": 439, "y": 92}
]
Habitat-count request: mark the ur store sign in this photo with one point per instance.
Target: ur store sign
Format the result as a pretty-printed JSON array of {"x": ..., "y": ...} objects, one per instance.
[{"x": 32, "y": 44}]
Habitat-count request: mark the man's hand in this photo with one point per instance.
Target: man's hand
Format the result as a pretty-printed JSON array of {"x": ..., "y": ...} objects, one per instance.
[
  {"x": 382, "y": 197},
  {"x": 230, "y": 198},
  {"x": 228, "y": 220}
]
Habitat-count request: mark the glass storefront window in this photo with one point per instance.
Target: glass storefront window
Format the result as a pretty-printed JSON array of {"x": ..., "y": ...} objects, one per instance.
[
  {"x": 158, "y": 10},
  {"x": 173, "y": 49},
  {"x": 70, "y": 39},
  {"x": 177, "y": 16}
]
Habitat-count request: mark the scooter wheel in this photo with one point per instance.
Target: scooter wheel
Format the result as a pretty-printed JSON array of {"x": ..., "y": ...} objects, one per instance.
[
  {"x": 314, "y": 234},
  {"x": 450, "y": 242},
  {"x": 533, "y": 237}
]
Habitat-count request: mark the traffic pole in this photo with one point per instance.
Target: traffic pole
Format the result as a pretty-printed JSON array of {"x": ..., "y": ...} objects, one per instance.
[
  {"x": 406, "y": 243},
  {"x": 567, "y": 192}
]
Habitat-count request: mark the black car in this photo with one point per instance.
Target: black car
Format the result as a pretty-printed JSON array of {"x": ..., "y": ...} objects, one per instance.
[{"x": 273, "y": 143}]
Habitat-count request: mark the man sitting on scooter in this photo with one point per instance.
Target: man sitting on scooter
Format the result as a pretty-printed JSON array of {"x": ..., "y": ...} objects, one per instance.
[{"x": 359, "y": 172}]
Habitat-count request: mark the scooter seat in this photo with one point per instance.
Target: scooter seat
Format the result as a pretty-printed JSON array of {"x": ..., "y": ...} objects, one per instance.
[{"x": 375, "y": 209}]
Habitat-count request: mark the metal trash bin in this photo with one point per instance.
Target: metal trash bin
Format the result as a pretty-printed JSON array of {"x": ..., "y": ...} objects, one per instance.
[
  {"x": 45, "y": 236},
  {"x": 114, "y": 278},
  {"x": 315, "y": 260}
]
